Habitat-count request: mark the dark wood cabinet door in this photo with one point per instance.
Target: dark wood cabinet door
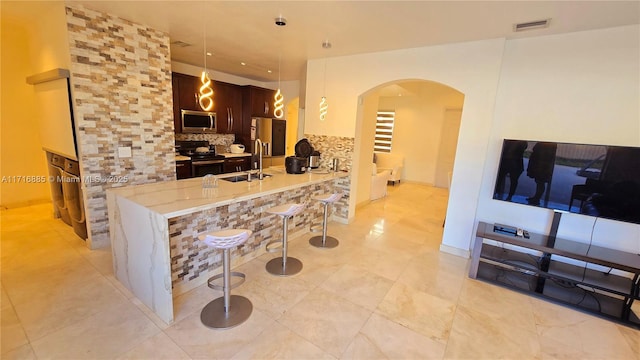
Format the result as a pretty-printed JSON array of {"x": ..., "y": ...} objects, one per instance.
[
  {"x": 237, "y": 164},
  {"x": 177, "y": 123},
  {"x": 261, "y": 101},
  {"x": 256, "y": 102},
  {"x": 228, "y": 107},
  {"x": 188, "y": 92},
  {"x": 183, "y": 169}
]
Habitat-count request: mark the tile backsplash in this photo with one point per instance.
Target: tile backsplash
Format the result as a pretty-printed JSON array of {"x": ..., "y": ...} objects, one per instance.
[
  {"x": 213, "y": 139},
  {"x": 331, "y": 147}
]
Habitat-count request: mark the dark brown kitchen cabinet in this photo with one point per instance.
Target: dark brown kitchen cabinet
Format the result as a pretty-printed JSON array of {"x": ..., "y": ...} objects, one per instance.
[
  {"x": 185, "y": 97},
  {"x": 256, "y": 102},
  {"x": 228, "y": 107},
  {"x": 235, "y": 164},
  {"x": 188, "y": 90},
  {"x": 260, "y": 101},
  {"x": 227, "y": 102},
  {"x": 183, "y": 169}
]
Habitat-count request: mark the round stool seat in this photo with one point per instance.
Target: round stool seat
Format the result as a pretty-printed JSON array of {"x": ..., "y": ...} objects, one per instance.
[
  {"x": 226, "y": 239},
  {"x": 328, "y": 198},
  {"x": 286, "y": 209}
]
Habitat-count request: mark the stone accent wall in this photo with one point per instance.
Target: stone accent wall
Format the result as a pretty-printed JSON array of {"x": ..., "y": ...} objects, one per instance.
[
  {"x": 121, "y": 93},
  {"x": 192, "y": 262},
  {"x": 331, "y": 147}
]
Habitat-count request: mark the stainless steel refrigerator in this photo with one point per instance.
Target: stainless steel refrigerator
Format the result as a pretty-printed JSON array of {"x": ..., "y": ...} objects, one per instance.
[{"x": 272, "y": 133}]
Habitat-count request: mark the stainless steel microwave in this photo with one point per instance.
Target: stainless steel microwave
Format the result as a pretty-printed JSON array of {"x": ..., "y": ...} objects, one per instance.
[{"x": 198, "y": 121}]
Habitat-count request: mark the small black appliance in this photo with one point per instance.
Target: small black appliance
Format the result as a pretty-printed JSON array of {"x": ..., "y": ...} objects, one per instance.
[{"x": 295, "y": 164}]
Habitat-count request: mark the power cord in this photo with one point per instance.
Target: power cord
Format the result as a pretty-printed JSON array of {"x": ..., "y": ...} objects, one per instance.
[{"x": 584, "y": 271}]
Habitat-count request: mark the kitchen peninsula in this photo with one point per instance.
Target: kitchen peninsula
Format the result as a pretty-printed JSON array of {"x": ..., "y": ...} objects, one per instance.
[{"x": 154, "y": 227}]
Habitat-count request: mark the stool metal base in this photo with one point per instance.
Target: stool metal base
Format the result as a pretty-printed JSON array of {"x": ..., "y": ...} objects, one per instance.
[
  {"x": 214, "y": 316},
  {"x": 274, "y": 266},
  {"x": 329, "y": 243}
]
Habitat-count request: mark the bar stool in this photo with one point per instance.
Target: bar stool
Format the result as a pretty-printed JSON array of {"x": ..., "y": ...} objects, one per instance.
[
  {"x": 324, "y": 241},
  {"x": 284, "y": 266},
  {"x": 229, "y": 310}
]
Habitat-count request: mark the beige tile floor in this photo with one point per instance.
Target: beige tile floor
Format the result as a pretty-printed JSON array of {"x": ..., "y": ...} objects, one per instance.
[{"x": 385, "y": 293}]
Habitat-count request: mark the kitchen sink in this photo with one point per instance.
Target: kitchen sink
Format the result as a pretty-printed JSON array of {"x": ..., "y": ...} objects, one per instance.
[{"x": 238, "y": 178}]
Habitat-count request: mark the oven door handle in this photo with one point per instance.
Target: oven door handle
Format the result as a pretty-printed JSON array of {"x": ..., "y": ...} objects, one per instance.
[{"x": 206, "y": 162}]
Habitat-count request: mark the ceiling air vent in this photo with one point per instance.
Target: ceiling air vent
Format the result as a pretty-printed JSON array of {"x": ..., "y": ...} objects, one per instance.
[
  {"x": 179, "y": 43},
  {"x": 538, "y": 24}
]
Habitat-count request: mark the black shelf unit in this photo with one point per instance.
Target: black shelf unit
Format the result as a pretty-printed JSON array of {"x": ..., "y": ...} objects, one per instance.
[{"x": 530, "y": 266}]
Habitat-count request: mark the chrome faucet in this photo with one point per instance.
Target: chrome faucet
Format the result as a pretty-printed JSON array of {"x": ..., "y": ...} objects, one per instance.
[{"x": 257, "y": 145}]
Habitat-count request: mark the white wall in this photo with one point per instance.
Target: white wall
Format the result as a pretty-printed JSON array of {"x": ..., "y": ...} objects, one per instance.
[
  {"x": 33, "y": 41},
  {"x": 581, "y": 87},
  {"x": 362, "y": 168},
  {"x": 418, "y": 127},
  {"x": 471, "y": 68}
]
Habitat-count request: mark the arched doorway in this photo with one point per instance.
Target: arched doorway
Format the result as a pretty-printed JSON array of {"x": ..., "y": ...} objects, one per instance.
[{"x": 426, "y": 126}]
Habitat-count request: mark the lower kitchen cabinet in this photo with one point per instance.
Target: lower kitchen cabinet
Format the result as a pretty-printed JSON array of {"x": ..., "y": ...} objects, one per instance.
[
  {"x": 236, "y": 164},
  {"x": 183, "y": 169}
]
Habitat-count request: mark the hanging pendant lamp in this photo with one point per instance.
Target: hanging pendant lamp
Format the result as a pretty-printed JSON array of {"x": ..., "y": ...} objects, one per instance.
[
  {"x": 206, "y": 91},
  {"x": 278, "y": 99},
  {"x": 324, "y": 105}
]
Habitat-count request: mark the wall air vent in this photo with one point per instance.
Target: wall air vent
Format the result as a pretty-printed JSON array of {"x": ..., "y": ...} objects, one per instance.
[
  {"x": 538, "y": 24},
  {"x": 179, "y": 43}
]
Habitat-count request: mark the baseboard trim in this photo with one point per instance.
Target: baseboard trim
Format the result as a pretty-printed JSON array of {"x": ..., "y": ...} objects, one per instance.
[
  {"x": 25, "y": 204},
  {"x": 455, "y": 251}
]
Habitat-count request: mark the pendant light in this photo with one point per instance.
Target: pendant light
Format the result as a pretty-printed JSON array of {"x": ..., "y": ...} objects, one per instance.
[
  {"x": 324, "y": 105},
  {"x": 278, "y": 99},
  {"x": 206, "y": 91}
]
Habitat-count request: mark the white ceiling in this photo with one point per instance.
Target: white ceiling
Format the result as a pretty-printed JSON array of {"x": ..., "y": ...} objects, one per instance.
[{"x": 245, "y": 31}]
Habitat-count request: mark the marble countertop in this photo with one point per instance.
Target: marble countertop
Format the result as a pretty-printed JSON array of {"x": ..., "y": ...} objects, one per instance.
[
  {"x": 180, "y": 197},
  {"x": 231, "y": 155},
  {"x": 182, "y": 158}
]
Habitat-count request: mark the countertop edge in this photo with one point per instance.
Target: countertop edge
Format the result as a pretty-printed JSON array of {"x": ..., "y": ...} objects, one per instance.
[{"x": 222, "y": 200}]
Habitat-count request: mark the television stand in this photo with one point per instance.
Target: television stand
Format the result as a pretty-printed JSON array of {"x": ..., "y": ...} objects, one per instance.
[{"x": 531, "y": 266}]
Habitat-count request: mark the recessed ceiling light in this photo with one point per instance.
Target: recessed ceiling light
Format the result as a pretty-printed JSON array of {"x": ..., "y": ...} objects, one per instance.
[
  {"x": 243, "y": 63},
  {"x": 280, "y": 21},
  {"x": 208, "y": 53},
  {"x": 269, "y": 71}
]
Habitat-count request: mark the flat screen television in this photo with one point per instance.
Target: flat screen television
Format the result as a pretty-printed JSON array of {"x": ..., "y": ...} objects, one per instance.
[{"x": 595, "y": 180}]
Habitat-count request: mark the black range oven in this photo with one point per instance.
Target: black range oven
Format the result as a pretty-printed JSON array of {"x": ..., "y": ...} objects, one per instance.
[
  {"x": 203, "y": 167},
  {"x": 204, "y": 159}
]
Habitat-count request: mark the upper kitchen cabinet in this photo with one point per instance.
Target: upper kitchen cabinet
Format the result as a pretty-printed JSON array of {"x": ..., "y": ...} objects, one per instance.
[
  {"x": 227, "y": 104},
  {"x": 187, "y": 87},
  {"x": 256, "y": 102},
  {"x": 259, "y": 100},
  {"x": 185, "y": 97}
]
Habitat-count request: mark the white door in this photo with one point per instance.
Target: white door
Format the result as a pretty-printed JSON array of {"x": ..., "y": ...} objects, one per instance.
[{"x": 448, "y": 144}]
